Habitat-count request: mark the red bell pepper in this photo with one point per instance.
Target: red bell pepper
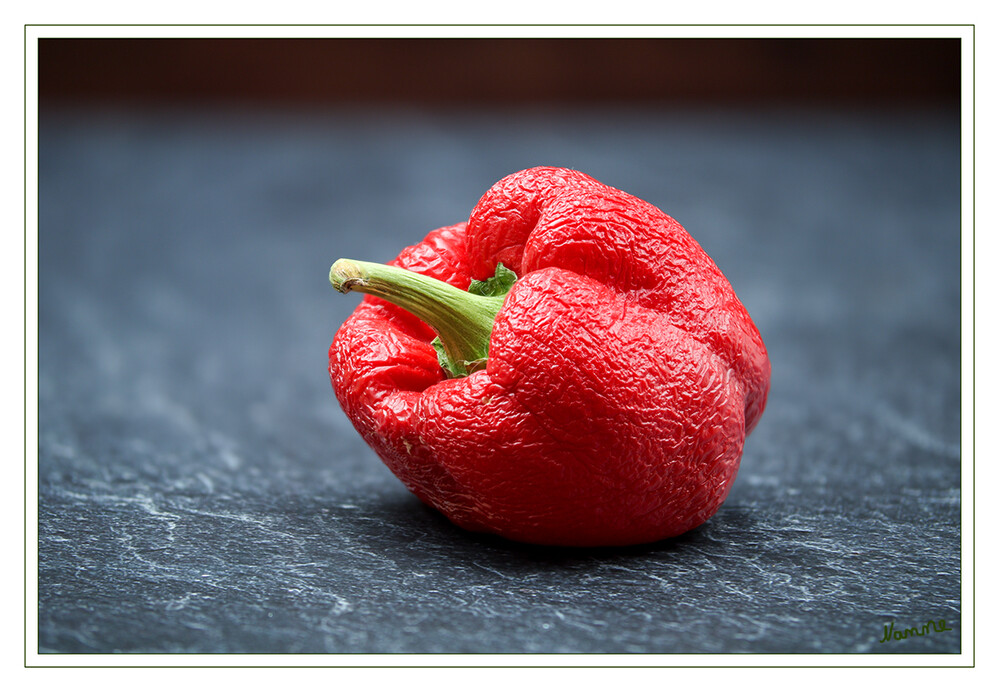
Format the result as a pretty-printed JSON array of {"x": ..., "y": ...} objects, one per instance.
[{"x": 602, "y": 399}]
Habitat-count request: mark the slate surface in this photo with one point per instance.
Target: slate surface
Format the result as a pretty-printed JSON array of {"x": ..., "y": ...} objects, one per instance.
[{"x": 199, "y": 490}]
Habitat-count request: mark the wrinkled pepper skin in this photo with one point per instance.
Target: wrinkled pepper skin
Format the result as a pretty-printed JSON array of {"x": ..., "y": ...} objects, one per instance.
[{"x": 622, "y": 379}]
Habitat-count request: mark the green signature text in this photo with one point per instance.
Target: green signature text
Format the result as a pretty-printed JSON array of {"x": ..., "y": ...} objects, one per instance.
[{"x": 897, "y": 635}]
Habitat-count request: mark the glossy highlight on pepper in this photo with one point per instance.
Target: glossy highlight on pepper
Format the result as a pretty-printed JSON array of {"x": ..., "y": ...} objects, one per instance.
[{"x": 568, "y": 367}]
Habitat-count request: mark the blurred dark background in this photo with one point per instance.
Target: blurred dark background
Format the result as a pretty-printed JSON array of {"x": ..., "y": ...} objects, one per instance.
[{"x": 316, "y": 72}]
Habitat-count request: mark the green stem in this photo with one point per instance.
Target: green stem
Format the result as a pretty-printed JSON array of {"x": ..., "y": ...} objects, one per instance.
[{"x": 463, "y": 321}]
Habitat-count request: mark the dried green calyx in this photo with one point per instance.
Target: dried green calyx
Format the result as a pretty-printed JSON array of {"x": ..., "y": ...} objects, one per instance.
[{"x": 463, "y": 320}]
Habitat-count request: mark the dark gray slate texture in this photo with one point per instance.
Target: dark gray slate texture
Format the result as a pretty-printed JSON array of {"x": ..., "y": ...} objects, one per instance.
[{"x": 200, "y": 490}]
